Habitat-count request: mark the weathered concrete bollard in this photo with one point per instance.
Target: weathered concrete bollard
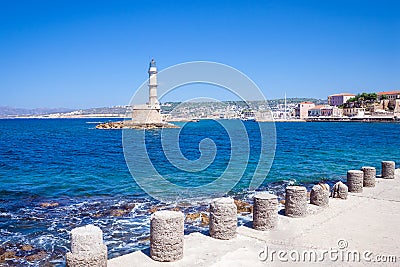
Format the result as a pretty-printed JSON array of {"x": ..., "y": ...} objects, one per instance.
[
  {"x": 166, "y": 235},
  {"x": 265, "y": 211},
  {"x": 340, "y": 190},
  {"x": 355, "y": 181},
  {"x": 388, "y": 169},
  {"x": 223, "y": 218},
  {"x": 319, "y": 195},
  {"x": 369, "y": 176},
  {"x": 296, "y": 201},
  {"x": 87, "y": 248}
]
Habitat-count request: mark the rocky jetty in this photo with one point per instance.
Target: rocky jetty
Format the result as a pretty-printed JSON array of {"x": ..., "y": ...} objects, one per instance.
[{"x": 132, "y": 125}]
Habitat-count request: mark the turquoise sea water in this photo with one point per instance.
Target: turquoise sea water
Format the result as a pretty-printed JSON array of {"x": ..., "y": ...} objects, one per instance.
[{"x": 83, "y": 172}]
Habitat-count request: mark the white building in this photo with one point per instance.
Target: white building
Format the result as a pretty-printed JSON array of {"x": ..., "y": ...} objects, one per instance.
[
  {"x": 354, "y": 112},
  {"x": 302, "y": 108},
  {"x": 315, "y": 111},
  {"x": 331, "y": 111},
  {"x": 339, "y": 99}
]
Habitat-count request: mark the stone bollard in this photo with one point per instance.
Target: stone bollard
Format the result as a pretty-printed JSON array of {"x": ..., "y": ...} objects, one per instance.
[
  {"x": 296, "y": 201},
  {"x": 355, "y": 181},
  {"x": 223, "y": 218},
  {"x": 87, "y": 248},
  {"x": 265, "y": 212},
  {"x": 340, "y": 190},
  {"x": 388, "y": 169},
  {"x": 369, "y": 176},
  {"x": 319, "y": 195},
  {"x": 166, "y": 235}
]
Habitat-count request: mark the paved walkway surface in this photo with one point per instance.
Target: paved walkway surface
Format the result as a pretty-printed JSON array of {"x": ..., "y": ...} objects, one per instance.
[{"x": 366, "y": 224}]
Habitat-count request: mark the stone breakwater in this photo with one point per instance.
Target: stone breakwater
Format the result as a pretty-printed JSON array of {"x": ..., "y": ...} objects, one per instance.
[
  {"x": 132, "y": 125},
  {"x": 317, "y": 226}
]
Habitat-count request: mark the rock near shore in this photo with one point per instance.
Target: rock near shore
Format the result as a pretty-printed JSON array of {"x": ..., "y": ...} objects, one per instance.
[
  {"x": 131, "y": 125},
  {"x": 243, "y": 206},
  {"x": 11, "y": 253}
]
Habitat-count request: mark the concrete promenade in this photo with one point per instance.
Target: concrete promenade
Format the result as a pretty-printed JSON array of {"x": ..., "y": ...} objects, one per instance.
[{"x": 366, "y": 222}]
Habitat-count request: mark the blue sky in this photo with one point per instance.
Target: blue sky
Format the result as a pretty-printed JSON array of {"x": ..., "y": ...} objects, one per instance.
[{"x": 95, "y": 53}]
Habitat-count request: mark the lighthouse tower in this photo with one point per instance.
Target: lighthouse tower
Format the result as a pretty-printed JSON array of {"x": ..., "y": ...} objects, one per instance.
[
  {"x": 149, "y": 113},
  {"x": 153, "y": 101}
]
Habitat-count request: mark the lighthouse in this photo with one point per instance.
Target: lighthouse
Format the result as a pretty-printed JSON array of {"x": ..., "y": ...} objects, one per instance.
[
  {"x": 150, "y": 112},
  {"x": 153, "y": 101},
  {"x": 144, "y": 116}
]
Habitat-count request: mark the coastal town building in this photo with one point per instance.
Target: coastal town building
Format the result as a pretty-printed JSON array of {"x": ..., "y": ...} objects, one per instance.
[
  {"x": 391, "y": 95},
  {"x": 325, "y": 111},
  {"x": 389, "y": 105},
  {"x": 149, "y": 113},
  {"x": 302, "y": 109},
  {"x": 354, "y": 112},
  {"x": 315, "y": 111},
  {"x": 339, "y": 99},
  {"x": 248, "y": 114},
  {"x": 264, "y": 115},
  {"x": 284, "y": 111},
  {"x": 331, "y": 111},
  {"x": 396, "y": 109}
]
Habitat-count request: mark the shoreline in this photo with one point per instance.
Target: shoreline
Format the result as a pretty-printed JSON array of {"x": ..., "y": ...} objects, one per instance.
[
  {"x": 196, "y": 224},
  {"x": 354, "y": 119},
  {"x": 121, "y": 210},
  {"x": 347, "y": 120},
  {"x": 343, "y": 220}
]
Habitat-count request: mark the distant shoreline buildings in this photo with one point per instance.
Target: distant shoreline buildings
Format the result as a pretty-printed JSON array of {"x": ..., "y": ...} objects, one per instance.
[
  {"x": 364, "y": 106},
  {"x": 339, "y": 99},
  {"x": 386, "y": 106}
]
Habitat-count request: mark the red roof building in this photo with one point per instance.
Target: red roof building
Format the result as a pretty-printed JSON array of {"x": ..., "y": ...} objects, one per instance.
[{"x": 391, "y": 95}]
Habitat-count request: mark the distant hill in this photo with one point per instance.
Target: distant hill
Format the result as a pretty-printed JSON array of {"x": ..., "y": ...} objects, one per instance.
[
  {"x": 103, "y": 110},
  {"x": 13, "y": 112},
  {"x": 298, "y": 100}
]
